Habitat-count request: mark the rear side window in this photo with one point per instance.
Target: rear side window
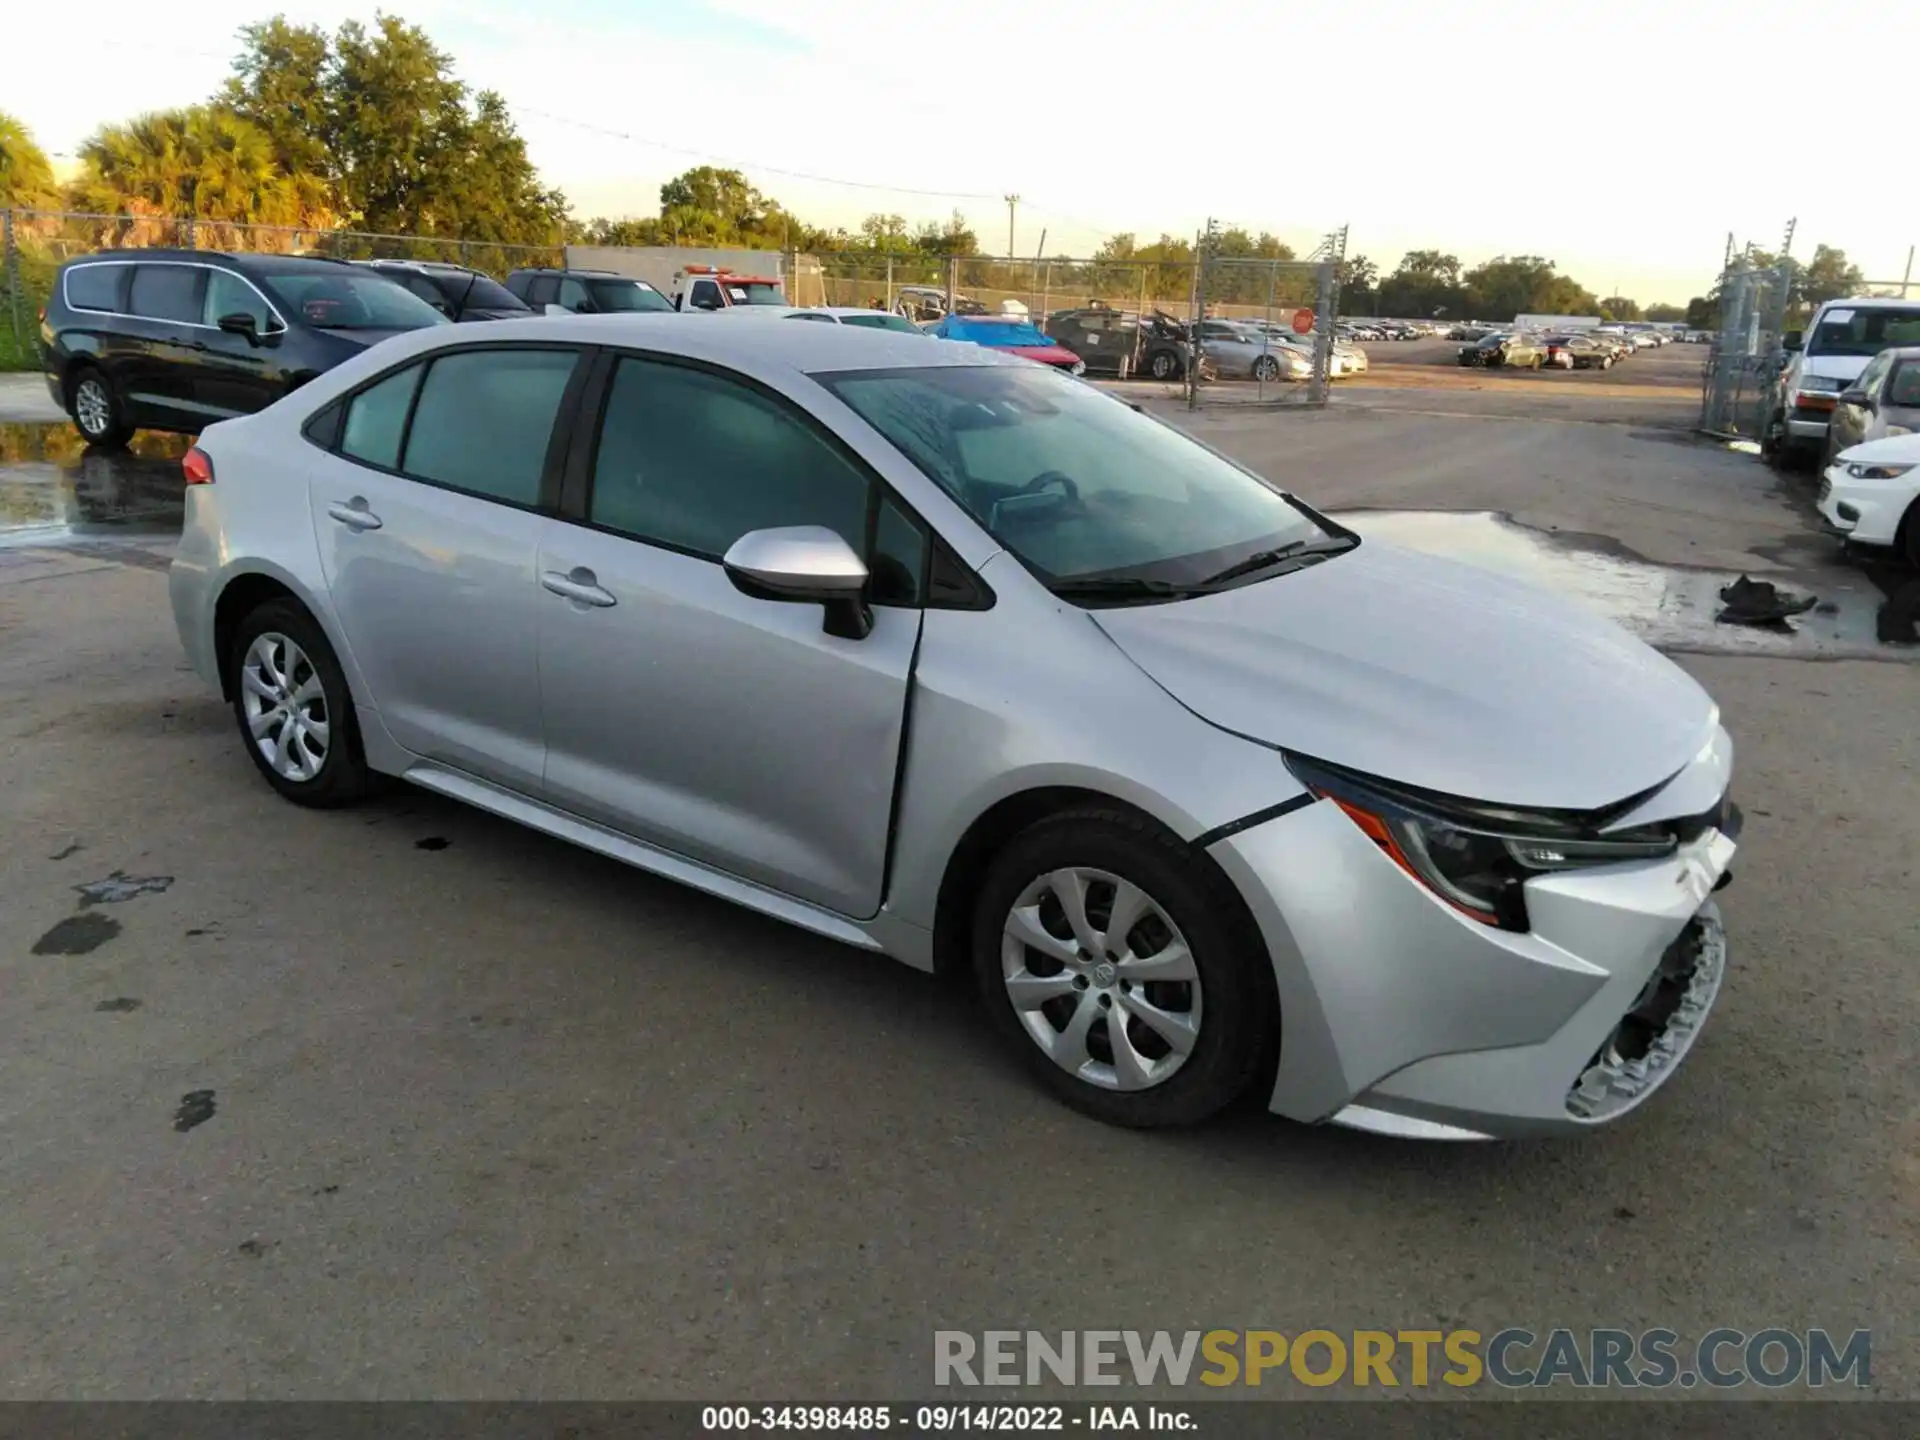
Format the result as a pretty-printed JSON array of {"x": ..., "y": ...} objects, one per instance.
[
  {"x": 376, "y": 418},
  {"x": 95, "y": 287},
  {"x": 167, "y": 292},
  {"x": 485, "y": 419}
]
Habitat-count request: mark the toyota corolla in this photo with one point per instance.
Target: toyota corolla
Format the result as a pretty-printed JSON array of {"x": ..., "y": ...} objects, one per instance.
[{"x": 952, "y": 657}]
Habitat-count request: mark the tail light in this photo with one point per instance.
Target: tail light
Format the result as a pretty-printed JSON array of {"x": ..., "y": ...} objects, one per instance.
[{"x": 197, "y": 466}]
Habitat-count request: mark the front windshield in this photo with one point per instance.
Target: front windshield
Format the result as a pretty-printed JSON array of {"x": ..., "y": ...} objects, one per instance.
[
  {"x": 881, "y": 320},
  {"x": 348, "y": 300},
  {"x": 1847, "y": 331},
  {"x": 1003, "y": 333},
  {"x": 626, "y": 296},
  {"x": 1078, "y": 484}
]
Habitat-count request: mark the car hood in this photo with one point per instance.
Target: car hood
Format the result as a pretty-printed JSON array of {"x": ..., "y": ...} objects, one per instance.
[
  {"x": 1890, "y": 450},
  {"x": 1429, "y": 672}
]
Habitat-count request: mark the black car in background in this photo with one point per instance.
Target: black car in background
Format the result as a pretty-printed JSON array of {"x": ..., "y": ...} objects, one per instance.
[
  {"x": 1119, "y": 342},
  {"x": 179, "y": 339},
  {"x": 585, "y": 292},
  {"x": 455, "y": 291}
]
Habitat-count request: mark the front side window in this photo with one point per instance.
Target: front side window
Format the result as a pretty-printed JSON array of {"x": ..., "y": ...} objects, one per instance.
[
  {"x": 349, "y": 299},
  {"x": 1078, "y": 485},
  {"x": 1846, "y": 330},
  {"x": 1903, "y": 389},
  {"x": 167, "y": 292},
  {"x": 541, "y": 290},
  {"x": 705, "y": 295},
  {"x": 377, "y": 417},
  {"x": 694, "y": 460},
  {"x": 1870, "y": 376},
  {"x": 484, "y": 421},
  {"x": 573, "y": 294},
  {"x": 228, "y": 294}
]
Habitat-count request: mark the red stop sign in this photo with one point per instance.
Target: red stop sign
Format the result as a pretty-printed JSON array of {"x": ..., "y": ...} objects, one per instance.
[{"x": 1302, "y": 322}]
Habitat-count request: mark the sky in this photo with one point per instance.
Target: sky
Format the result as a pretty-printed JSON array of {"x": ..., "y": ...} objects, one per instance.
[{"x": 1623, "y": 140}]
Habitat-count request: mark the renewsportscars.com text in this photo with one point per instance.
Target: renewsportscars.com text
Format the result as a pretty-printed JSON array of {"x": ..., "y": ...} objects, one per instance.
[{"x": 1514, "y": 1358}]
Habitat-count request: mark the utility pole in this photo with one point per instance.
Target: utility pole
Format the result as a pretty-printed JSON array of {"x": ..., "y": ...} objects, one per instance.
[
  {"x": 1013, "y": 202},
  {"x": 1909, "y": 275}
]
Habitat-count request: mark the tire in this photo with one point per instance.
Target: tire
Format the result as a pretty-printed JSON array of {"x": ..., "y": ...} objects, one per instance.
[
  {"x": 1535, "y": 365},
  {"x": 1163, "y": 365},
  {"x": 1606, "y": 362},
  {"x": 1909, "y": 534},
  {"x": 1228, "y": 995},
  {"x": 1266, "y": 369},
  {"x": 282, "y": 647},
  {"x": 96, "y": 409}
]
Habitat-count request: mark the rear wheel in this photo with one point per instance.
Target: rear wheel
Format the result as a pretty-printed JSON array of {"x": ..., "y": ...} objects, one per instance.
[
  {"x": 96, "y": 409},
  {"x": 1164, "y": 365},
  {"x": 1122, "y": 969},
  {"x": 293, "y": 708}
]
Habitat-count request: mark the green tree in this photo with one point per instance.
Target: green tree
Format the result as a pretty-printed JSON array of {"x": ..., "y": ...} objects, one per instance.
[
  {"x": 1426, "y": 282},
  {"x": 1667, "y": 314},
  {"x": 1829, "y": 275},
  {"x": 201, "y": 161},
  {"x": 396, "y": 140},
  {"x": 1619, "y": 307},
  {"x": 1358, "y": 277},
  {"x": 26, "y": 179},
  {"x": 1506, "y": 286},
  {"x": 1703, "y": 313},
  {"x": 956, "y": 237}
]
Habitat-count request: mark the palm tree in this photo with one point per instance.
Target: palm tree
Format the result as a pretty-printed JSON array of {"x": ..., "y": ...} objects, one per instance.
[
  {"x": 26, "y": 179},
  {"x": 203, "y": 161}
]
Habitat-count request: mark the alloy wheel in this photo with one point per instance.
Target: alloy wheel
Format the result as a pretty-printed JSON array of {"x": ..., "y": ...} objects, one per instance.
[
  {"x": 1101, "y": 979},
  {"x": 286, "y": 706},
  {"x": 92, "y": 407}
]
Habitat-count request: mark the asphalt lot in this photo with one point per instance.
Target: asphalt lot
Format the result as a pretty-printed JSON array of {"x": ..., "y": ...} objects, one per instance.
[{"x": 493, "y": 1117}]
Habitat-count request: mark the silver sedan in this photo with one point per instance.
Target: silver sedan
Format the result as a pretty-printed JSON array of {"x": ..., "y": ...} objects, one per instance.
[{"x": 955, "y": 659}]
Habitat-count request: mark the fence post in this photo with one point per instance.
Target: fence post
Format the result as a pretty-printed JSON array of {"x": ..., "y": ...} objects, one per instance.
[
  {"x": 187, "y": 233},
  {"x": 953, "y": 280},
  {"x": 1323, "y": 332},
  {"x": 12, "y": 258}
]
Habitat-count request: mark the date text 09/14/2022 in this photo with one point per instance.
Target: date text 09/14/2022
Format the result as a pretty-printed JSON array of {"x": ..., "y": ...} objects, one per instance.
[{"x": 943, "y": 1419}]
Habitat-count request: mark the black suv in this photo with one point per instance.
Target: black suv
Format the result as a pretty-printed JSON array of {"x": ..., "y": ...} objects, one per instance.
[
  {"x": 454, "y": 290},
  {"x": 179, "y": 339},
  {"x": 1115, "y": 342},
  {"x": 585, "y": 292}
]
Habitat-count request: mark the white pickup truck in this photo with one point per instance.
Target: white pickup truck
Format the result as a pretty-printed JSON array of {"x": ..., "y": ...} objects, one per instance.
[
  {"x": 713, "y": 287},
  {"x": 1823, "y": 361}
]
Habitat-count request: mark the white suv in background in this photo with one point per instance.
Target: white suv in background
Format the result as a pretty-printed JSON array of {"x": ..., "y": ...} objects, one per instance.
[{"x": 1843, "y": 336}]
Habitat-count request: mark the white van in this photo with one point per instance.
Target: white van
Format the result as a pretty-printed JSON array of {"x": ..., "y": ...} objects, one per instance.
[{"x": 1844, "y": 336}]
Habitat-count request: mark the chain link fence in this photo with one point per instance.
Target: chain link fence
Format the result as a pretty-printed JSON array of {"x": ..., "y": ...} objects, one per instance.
[
  {"x": 37, "y": 242},
  {"x": 1740, "y": 385}
]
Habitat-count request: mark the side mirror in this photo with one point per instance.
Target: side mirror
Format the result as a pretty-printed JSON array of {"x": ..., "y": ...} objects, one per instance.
[
  {"x": 1792, "y": 341},
  {"x": 241, "y": 323},
  {"x": 1856, "y": 397},
  {"x": 804, "y": 563}
]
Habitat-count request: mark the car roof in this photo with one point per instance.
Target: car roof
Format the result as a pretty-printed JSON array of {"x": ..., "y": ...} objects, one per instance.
[
  {"x": 1872, "y": 302},
  {"x": 568, "y": 270},
  {"x": 274, "y": 264},
  {"x": 805, "y": 349}
]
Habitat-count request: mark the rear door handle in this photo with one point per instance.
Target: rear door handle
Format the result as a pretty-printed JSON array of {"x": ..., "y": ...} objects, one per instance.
[
  {"x": 354, "y": 514},
  {"x": 579, "y": 584}
]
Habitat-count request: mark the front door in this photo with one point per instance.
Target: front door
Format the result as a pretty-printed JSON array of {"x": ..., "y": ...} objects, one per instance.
[
  {"x": 732, "y": 730},
  {"x": 430, "y": 535},
  {"x": 236, "y": 375}
]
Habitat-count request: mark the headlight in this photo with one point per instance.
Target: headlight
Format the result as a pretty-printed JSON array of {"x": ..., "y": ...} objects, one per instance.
[
  {"x": 1820, "y": 384},
  {"x": 1877, "y": 472},
  {"x": 1476, "y": 858}
]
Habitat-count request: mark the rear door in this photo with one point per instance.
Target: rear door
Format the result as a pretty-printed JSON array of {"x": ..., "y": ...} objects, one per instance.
[
  {"x": 165, "y": 345},
  {"x": 429, "y": 512},
  {"x": 732, "y": 730}
]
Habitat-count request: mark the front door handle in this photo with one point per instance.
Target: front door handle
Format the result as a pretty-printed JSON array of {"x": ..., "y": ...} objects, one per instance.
[
  {"x": 354, "y": 514},
  {"x": 579, "y": 584}
]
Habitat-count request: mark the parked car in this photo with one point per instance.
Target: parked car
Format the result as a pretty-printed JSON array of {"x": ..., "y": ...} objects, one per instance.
[
  {"x": 1470, "y": 333},
  {"x": 1204, "y": 791},
  {"x": 1015, "y": 337},
  {"x": 585, "y": 292},
  {"x": 1615, "y": 342},
  {"x": 179, "y": 339},
  {"x": 926, "y": 305},
  {"x": 1870, "y": 494},
  {"x": 1504, "y": 348},
  {"x": 1578, "y": 352},
  {"x": 1843, "y": 336},
  {"x": 1346, "y": 360},
  {"x": 455, "y": 291},
  {"x": 1116, "y": 342},
  {"x": 1239, "y": 353},
  {"x": 1883, "y": 401}
]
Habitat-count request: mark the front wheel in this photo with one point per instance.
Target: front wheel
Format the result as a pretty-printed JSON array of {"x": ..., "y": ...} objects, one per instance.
[
  {"x": 1123, "y": 970},
  {"x": 1164, "y": 365},
  {"x": 1266, "y": 368}
]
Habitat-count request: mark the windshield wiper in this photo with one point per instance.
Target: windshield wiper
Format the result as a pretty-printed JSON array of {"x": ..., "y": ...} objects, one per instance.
[
  {"x": 1293, "y": 550},
  {"x": 1129, "y": 587}
]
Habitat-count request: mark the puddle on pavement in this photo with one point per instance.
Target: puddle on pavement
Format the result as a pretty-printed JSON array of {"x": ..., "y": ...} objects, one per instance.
[
  {"x": 1666, "y": 606},
  {"x": 55, "y": 488}
]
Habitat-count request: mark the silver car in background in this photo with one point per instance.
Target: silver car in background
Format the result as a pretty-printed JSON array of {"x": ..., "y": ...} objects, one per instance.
[
  {"x": 946, "y": 656},
  {"x": 1242, "y": 353}
]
